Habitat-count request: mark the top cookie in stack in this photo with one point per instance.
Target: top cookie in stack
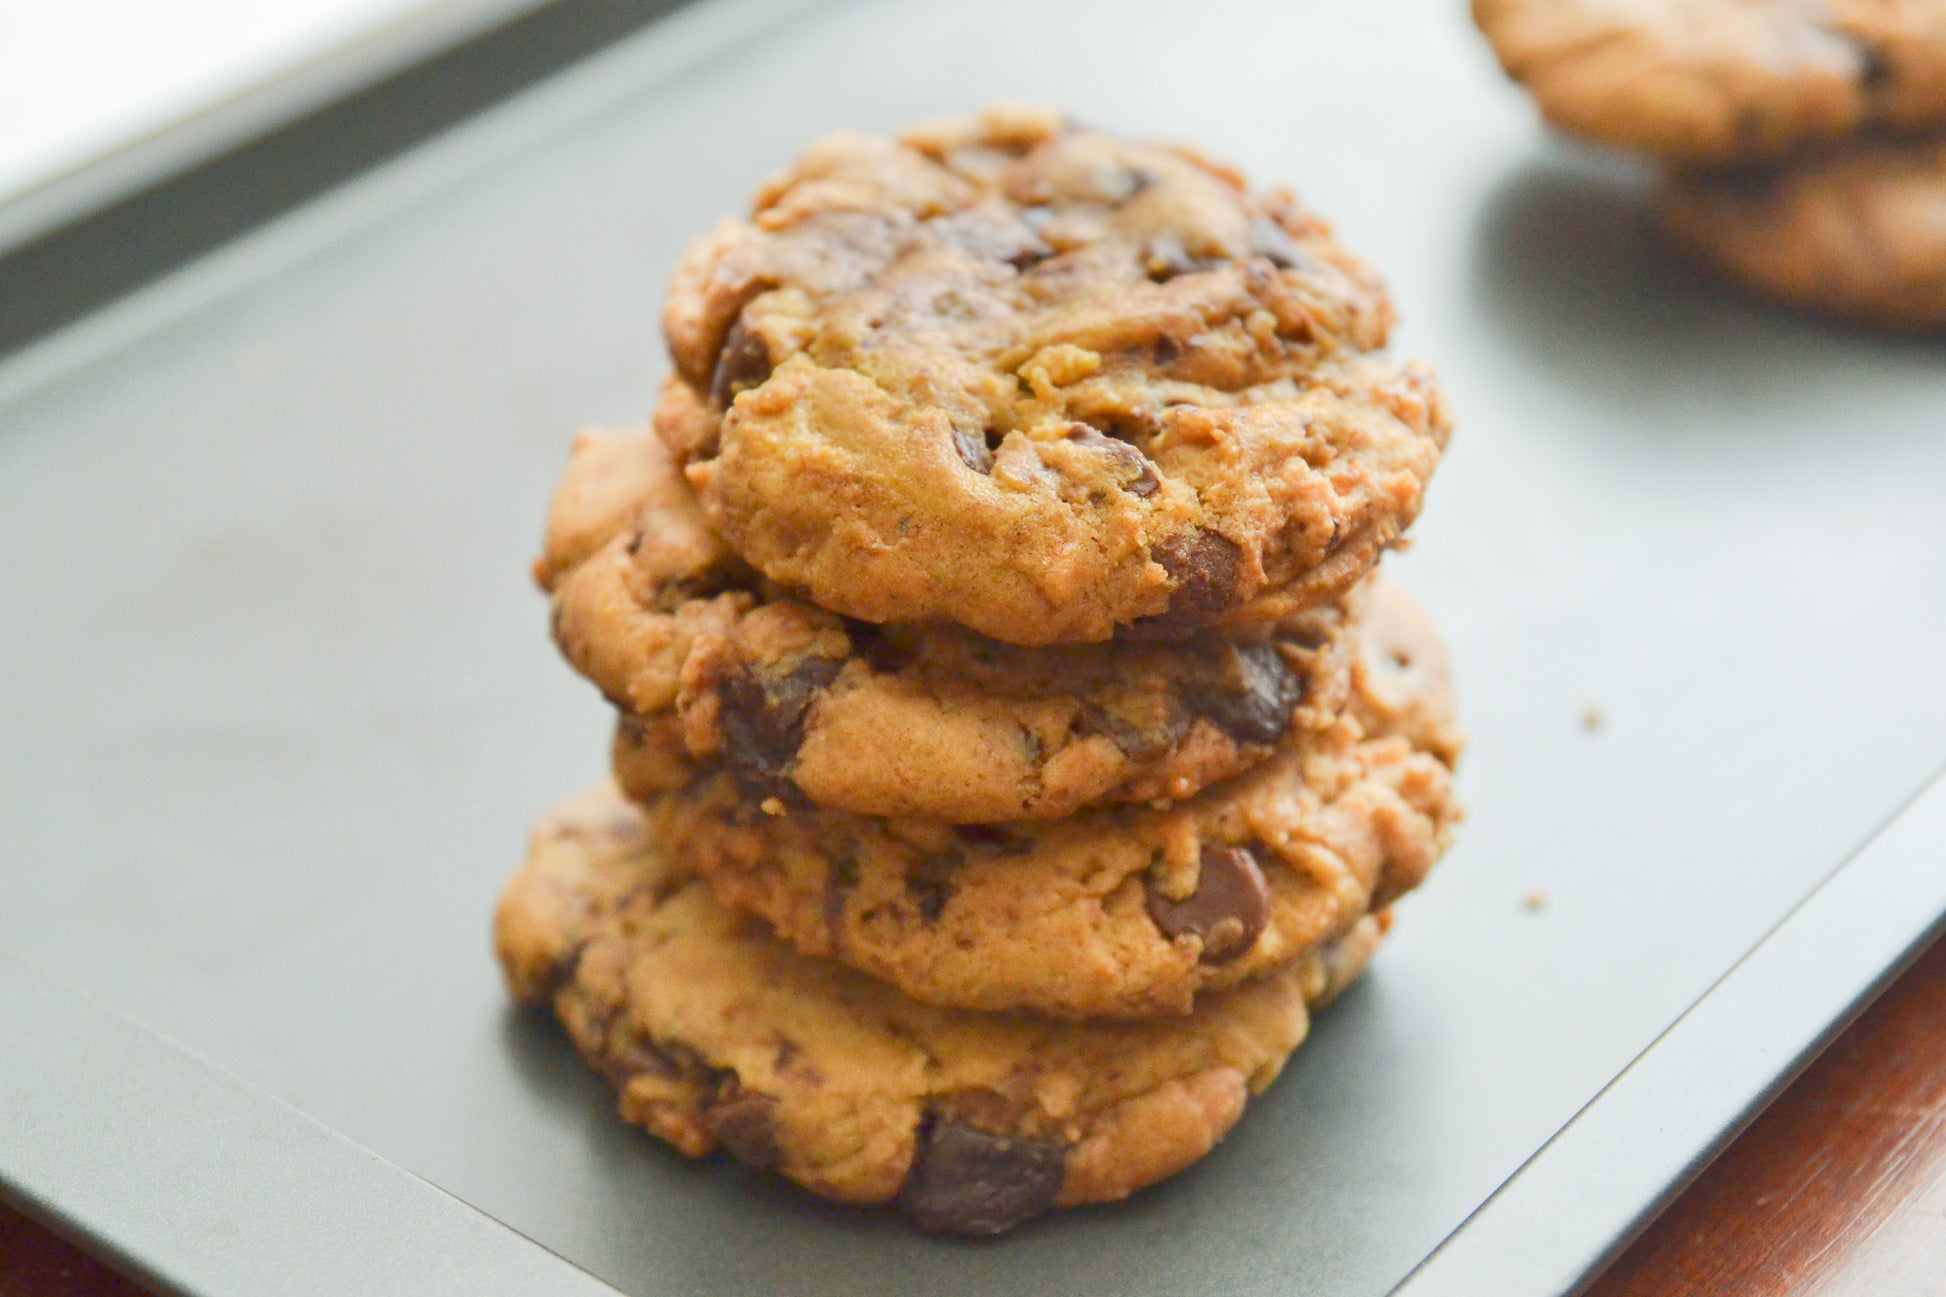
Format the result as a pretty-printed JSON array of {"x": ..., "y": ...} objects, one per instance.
[
  {"x": 1044, "y": 384},
  {"x": 990, "y": 610},
  {"x": 1806, "y": 138}
]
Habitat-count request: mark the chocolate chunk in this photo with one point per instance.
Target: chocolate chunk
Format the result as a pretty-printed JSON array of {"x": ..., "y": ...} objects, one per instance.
[
  {"x": 931, "y": 884},
  {"x": 1228, "y": 909},
  {"x": 763, "y": 717},
  {"x": 1274, "y": 243},
  {"x": 973, "y": 450},
  {"x": 1252, "y": 699},
  {"x": 1875, "y": 68},
  {"x": 993, "y": 837},
  {"x": 1138, "y": 742},
  {"x": 1144, "y": 483},
  {"x": 992, "y": 236},
  {"x": 744, "y": 362},
  {"x": 1164, "y": 257},
  {"x": 838, "y": 885},
  {"x": 745, "y": 1122},
  {"x": 1028, "y": 255},
  {"x": 965, "y": 1181},
  {"x": 882, "y": 652},
  {"x": 706, "y": 583},
  {"x": 629, "y": 1055},
  {"x": 1205, "y": 566}
]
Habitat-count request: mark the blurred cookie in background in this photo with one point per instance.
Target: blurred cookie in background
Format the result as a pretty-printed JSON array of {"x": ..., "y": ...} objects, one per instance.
[
  {"x": 1857, "y": 232},
  {"x": 1711, "y": 82}
]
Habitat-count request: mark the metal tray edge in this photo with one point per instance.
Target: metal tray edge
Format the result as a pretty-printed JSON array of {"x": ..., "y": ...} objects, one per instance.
[
  {"x": 1550, "y": 1229},
  {"x": 684, "y": 33},
  {"x": 178, "y": 145}
]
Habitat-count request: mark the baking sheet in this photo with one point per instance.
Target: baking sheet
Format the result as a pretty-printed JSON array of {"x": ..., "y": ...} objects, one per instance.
[{"x": 280, "y": 702}]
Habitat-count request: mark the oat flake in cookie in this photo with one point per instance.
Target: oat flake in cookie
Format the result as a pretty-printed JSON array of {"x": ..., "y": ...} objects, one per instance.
[
  {"x": 1707, "y": 82},
  {"x": 717, "y": 1035},
  {"x": 1114, "y": 912},
  {"x": 1020, "y": 375},
  {"x": 1859, "y": 231},
  {"x": 710, "y": 663}
]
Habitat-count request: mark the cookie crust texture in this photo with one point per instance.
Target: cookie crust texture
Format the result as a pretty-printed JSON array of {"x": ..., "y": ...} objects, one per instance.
[
  {"x": 1705, "y": 83},
  {"x": 1116, "y": 912},
  {"x": 1857, "y": 232},
  {"x": 1017, "y": 374},
  {"x": 717, "y": 1035},
  {"x": 708, "y": 661}
]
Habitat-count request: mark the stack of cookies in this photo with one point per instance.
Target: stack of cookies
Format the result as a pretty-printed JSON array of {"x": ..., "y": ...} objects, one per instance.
[
  {"x": 1805, "y": 139},
  {"x": 1014, "y": 742}
]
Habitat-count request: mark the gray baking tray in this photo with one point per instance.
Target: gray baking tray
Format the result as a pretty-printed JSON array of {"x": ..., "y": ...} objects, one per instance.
[{"x": 278, "y": 702}]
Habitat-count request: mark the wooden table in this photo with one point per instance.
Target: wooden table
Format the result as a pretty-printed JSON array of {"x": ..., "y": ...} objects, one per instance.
[{"x": 1839, "y": 1189}]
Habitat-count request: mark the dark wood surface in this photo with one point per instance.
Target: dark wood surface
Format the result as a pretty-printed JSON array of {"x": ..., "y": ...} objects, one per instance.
[{"x": 1838, "y": 1190}]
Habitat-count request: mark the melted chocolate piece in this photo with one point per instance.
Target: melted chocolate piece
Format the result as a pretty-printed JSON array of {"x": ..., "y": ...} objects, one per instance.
[
  {"x": 1228, "y": 910},
  {"x": 931, "y": 885},
  {"x": 630, "y": 1055},
  {"x": 883, "y": 653},
  {"x": 1274, "y": 243},
  {"x": 1875, "y": 70},
  {"x": 744, "y": 362},
  {"x": 1251, "y": 702},
  {"x": 1136, "y": 742},
  {"x": 837, "y": 891},
  {"x": 1120, "y": 453},
  {"x": 1164, "y": 257},
  {"x": 973, "y": 450},
  {"x": 990, "y": 236},
  {"x": 965, "y": 1181},
  {"x": 1205, "y": 565},
  {"x": 745, "y": 1122},
  {"x": 763, "y": 717}
]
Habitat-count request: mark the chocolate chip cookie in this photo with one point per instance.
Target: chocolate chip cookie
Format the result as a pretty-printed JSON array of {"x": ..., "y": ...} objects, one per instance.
[
  {"x": 1023, "y": 376},
  {"x": 1707, "y": 82},
  {"x": 717, "y": 1035},
  {"x": 710, "y": 662},
  {"x": 1858, "y": 232},
  {"x": 1114, "y": 911}
]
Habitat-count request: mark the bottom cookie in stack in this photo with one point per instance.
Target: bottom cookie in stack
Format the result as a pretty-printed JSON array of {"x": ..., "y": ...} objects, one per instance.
[{"x": 717, "y": 1034}]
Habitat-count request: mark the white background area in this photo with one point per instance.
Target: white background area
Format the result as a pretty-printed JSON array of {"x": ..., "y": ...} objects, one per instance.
[{"x": 81, "y": 77}]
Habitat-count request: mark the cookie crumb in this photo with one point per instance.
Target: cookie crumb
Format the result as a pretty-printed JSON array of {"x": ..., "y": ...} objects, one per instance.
[
  {"x": 772, "y": 806},
  {"x": 1592, "y": 718},
  {"x": 1535, "y": 899}
]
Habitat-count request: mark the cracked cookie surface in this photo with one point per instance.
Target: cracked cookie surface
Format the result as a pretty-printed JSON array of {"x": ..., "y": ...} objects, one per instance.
[
  {"x": 717, "y": 1035},
  {"x": 707, "y": 661},
  {"x": 1858, "y": 232},
  {"x": 1120, "y": 911},
  {"x": 1708, "y": 82},
  {"x": 1020, "y": 375}
]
